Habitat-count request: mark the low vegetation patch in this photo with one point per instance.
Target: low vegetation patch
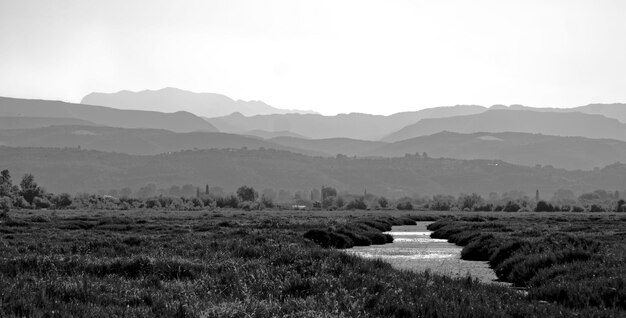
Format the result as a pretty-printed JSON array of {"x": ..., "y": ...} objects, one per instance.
[{"x": 574, "y": 260}]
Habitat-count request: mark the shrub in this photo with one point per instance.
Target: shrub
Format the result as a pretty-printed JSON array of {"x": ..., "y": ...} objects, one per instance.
[
  {"x": 543, "y": 206},
  {"x": 5, "y": 205},
  {"x": 62, "y": 200},
  {"x": 407, "y": 206},
  {"x": 382, "y": 201},
  {"x": 41, "y": 203},
  {"x": 357, "y": 204},
  {"x": 511, "y": 207}
]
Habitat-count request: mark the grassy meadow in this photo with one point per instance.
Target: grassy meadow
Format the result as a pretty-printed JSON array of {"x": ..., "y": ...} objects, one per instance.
[{"x": 233, "y": 263}]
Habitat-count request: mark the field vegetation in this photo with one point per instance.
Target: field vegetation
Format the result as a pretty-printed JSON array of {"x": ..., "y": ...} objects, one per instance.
[
  {"x": 575, "y": 260},
  {"x": 235, "y": 263}
]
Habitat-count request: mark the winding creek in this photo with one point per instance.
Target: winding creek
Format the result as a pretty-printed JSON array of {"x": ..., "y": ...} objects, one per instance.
[{"x": 414, "y": 249}]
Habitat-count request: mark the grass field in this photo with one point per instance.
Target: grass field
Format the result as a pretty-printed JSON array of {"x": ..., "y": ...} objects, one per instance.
[{"x": 259, "y": 264}]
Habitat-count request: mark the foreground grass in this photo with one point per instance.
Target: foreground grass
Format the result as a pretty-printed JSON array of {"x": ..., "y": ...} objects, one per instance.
[
  {"x": 230, "y": 264},
  {"x": 578, "y": 261}
]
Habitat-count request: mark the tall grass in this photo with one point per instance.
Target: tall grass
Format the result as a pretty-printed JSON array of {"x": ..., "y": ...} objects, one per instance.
[
  {"x": 576, "y": 261},
  {"x": 182, "y": 264}
]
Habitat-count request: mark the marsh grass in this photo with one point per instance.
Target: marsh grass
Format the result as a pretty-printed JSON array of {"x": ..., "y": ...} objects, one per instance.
[
  {"x": 573, "y": 260},
  {"x": 186, "y": 264}
]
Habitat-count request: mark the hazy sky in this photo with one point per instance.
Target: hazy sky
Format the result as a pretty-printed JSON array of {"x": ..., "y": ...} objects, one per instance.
[{"x": 330, "y": 56}]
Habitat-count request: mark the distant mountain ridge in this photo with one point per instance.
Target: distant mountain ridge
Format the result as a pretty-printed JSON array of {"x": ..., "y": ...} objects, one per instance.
[
  {"x": 526, "y": 121},
  {"x": 353, "y": 125},
  {"x": 173, "y": 99},
  {"x": 133, "y": 141},
  {"x": 39, "y": 122},
  {"x": 517, "y": 148},
  {"x": 106, "y": 116}
]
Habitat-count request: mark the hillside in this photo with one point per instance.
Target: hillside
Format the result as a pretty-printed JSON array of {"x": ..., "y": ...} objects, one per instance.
[
  {"x": 75, "y": 170},
  {"x": 38, "y": 122},
  {"x": 272, "y": 134},
  {"x": 331, "y": 146},
  {"x": 518, "y": 148},
  {"x": 617, "y": 110},
  {"x": 526, "y": 121},
  {"x": 353, "y": 125},
  {"x": 106, "y": 116},
  {"x": 173, "y": 100},
  {"x": 131, "y": 141}
]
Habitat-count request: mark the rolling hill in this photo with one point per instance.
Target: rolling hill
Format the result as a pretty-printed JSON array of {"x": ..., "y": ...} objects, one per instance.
[
  {"x": 38, "y": 122},
  {"x": 132, "y": 141},
  {"x": 526, "y": 121},
  {"x": 172, "y": 99},
  {"x": 518, "y": 148},
  {"x": 106, "y": 116},
  {"x": 353, "y": 125},
  {"x": 331, "y": 147},
  {"x": 73, "y": 170}
]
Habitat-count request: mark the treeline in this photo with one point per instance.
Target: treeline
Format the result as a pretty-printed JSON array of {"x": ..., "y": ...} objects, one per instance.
[{"x": 29, "y": 195}]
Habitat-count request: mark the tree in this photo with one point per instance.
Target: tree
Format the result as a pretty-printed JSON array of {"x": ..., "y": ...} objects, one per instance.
[
  {"x": 382, "y": 201},
  {"x": 543, "y": 206},
  {"x": 5, "y": 205},
  {"x": 357, "y": 204},
  {"x": 246, "y": 193},
  {"x": 29, "y": 189},
  {"x": 6, "y": 185},
  {"x": 469, "y": 201},
  {"x": 442, "y": 202},
  {"x": 62, "y": 200},
  {"x": 315, "y": 195},
  {"x": 328, "y": 192}
]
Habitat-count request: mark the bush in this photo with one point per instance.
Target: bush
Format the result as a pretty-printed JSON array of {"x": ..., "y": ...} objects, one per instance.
[
  {"x": 357, "y": 204},
  {"x": 5, "y": 205},
  {"x": 407, "y": 206},
  {"x": 543, "y": 206},
  {"x": 511, "y": 207},
  {"x": 62, "y": 200},
  {"x": 41, "y": 203},
  {"x": 382, "y": 201}
]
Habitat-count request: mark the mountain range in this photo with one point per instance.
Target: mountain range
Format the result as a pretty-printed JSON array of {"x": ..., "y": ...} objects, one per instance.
[
  {"x": 518, "y": 148},
  {"x": 353, "y": 125},
  {"x": 581, "y": 138},
  {"x": 526, "y": 121},
  {"x": 173, "y": 99},
  {"x": 179, "y": 121}
]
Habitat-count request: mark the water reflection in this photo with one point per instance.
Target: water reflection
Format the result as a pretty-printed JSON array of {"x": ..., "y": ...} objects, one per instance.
[{"x": 413, "y": 249}]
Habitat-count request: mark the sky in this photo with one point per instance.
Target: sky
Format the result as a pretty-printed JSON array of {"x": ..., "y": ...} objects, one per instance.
[{"x": 377, "y": 57}]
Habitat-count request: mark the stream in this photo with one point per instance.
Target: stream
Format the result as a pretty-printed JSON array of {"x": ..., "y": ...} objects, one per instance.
[{"x": 414, "y": 249}]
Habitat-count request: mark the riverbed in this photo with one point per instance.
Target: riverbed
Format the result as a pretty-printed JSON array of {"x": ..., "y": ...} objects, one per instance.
[{"x": 414, "y": 249}]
